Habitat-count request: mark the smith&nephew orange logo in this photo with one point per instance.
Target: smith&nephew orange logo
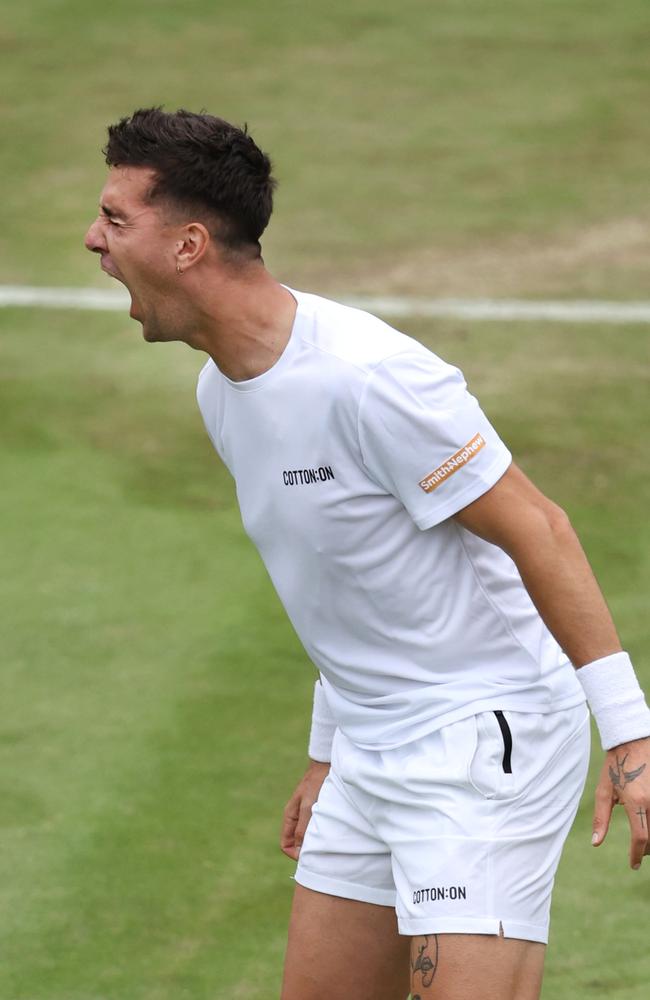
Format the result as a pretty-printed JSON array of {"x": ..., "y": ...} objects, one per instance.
[{"x": 453, "y": 464}]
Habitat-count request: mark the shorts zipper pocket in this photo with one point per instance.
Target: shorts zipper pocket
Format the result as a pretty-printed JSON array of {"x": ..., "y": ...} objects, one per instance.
[{"x": 507, "y": 741}]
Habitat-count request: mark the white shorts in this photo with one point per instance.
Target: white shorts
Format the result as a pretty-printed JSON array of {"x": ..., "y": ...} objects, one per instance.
[{"x": 461, "y": 831}]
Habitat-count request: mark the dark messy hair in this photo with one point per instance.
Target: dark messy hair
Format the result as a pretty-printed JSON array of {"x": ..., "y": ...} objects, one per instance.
[{"x": 204, "y": 167}]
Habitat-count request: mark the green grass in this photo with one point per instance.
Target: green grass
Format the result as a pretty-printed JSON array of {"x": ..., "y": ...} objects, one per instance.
[
  {"x": 140, "y": 757},
  {"x": 395, "y": 128},
  {"x": 155, "y": 699}
]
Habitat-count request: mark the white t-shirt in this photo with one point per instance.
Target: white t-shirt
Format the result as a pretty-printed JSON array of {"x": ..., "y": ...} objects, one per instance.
[{"x": 350, "y": 455}]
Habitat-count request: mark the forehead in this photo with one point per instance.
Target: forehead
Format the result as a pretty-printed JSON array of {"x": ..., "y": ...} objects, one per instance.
[{"x": 126, "y": 188}]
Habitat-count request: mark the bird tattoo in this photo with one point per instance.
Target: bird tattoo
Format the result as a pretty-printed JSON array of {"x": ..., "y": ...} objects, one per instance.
[{"x": 620, "y": 777}]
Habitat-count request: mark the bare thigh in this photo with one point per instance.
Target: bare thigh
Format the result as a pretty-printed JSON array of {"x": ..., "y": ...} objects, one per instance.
[
  {"x": 468, "y": 966},
  {"x": 340, "y": 948}
]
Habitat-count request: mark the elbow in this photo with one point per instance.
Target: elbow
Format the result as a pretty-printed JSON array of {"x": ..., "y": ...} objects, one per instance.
[
  {"x": 554, "y": 531},
  {"x": 558, "y": 521},
  {"x": 546, "y": 529}
]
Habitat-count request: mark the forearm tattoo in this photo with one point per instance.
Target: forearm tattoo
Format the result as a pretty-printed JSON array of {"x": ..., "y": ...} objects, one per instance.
[
  {"x": 620, "y": 778},
  {"x": 641, "y": 814},
  {"x": 426, "y": 961}
]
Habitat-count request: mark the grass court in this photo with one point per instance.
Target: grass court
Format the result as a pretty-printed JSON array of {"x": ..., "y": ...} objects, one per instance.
[{"x": 155, "y": 700}]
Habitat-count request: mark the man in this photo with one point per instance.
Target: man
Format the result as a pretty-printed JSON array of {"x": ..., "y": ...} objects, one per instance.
[{"x": 452, "y": 615}]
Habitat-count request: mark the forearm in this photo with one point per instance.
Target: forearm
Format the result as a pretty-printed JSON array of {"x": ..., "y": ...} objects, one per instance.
[
  {"x": 557, "y": 575},
  {"x": 538, "y": 537},
  {"x": 561, "y": 584}
]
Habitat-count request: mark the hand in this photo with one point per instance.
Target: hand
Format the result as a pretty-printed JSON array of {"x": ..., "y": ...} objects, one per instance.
[
  {"x": 625, "y": 779},
  {"x": 297, "y": 812}
]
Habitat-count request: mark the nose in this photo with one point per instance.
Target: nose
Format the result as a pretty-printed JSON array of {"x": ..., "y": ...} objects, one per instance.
[{"x": 94, "y": 240}]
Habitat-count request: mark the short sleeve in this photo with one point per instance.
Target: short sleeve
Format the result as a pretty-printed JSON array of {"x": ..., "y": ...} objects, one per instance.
[{"x": 425, "y": 439}]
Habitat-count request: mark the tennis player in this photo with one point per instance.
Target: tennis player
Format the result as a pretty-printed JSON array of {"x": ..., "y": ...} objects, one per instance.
[{"x": 456, "y": 626}]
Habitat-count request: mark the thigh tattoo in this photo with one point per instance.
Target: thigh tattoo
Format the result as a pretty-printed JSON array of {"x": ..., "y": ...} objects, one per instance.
[{"x": 426, "y": 960}]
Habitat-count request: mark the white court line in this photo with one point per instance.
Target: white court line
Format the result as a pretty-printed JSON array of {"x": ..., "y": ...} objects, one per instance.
[
  {"x": 64, "y": 298},
  {"x": 582, "y": 311}
]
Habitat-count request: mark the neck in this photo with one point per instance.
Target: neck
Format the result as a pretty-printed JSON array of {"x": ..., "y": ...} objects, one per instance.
[{"x": 245, "y": 322}]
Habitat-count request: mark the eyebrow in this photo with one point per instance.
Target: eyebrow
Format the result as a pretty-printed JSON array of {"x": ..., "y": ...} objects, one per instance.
[{"x": 111, "y": 213}]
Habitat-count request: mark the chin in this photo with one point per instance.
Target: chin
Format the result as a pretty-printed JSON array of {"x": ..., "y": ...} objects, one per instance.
[{"x": 155, "y": 335}]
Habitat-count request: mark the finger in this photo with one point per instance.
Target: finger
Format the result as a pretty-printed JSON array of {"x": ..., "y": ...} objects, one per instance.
[
  {"x": 302, "y": 824},
  {"x": 602, "y": 813},
  {"x": 638, "y": 818},
  {"x": 287, "y": 834},
  {"x": 289, "y": 822},
  {"x": 288, "y": 844}
]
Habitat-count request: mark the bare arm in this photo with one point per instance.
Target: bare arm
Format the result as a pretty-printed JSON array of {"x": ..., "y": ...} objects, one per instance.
[{"x": 538, "y": 537}]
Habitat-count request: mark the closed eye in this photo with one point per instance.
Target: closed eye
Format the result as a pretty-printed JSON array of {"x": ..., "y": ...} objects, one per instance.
[{"x": 109, "y": 215}]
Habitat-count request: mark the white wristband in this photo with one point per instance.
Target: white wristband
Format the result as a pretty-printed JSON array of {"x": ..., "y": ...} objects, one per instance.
[
  {"x": 615, "y": 699},
  {"x": 323, "y": 727}
]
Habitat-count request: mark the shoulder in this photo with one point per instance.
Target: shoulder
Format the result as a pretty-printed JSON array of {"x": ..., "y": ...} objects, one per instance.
[
  {"x": 358, "y": 339},
  {"x": 208, "y": 379},
  {"x": 208, "y": 371}
]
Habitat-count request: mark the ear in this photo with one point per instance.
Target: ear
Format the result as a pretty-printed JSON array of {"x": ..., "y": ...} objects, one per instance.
[{"x": 191, "y": 246}]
